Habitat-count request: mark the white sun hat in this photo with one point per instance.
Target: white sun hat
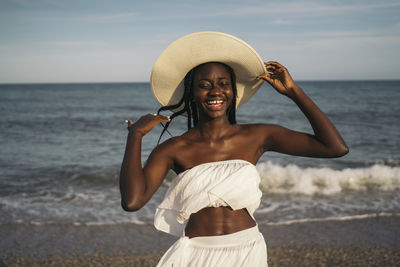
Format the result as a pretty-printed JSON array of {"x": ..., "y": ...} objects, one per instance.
[{"x": 170, "y": 69}]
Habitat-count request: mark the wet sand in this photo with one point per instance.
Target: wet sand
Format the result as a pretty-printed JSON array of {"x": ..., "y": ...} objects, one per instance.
[{"x": 358, "y": 242}]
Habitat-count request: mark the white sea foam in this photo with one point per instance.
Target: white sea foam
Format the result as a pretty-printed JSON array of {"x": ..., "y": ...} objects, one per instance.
[
  {"x": 106, "y": 223},
  {"x": 149, "y": 223},
  {"x": 293, "y": 179},
  {"x": 343, "y": 218},
  {"x": 290, "y": 193}
]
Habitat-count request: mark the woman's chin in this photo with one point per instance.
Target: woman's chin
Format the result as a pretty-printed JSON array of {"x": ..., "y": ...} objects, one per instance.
[{"x": 214, "y": 114}]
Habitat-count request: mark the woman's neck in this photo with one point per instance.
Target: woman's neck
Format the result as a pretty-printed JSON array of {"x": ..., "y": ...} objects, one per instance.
[{"x": 214, "y": 129}]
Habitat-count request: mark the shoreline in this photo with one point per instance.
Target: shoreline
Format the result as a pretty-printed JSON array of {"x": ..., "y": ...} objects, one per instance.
[
  {"x": 371, "y": 241},
  {"x": 289, "y": 255}
]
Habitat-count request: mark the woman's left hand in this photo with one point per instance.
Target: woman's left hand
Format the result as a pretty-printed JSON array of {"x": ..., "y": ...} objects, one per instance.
[{"x": 279, "y": 78}]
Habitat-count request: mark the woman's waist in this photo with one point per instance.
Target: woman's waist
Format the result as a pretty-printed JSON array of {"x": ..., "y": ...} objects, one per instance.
[{"x": 214, "y": 221}]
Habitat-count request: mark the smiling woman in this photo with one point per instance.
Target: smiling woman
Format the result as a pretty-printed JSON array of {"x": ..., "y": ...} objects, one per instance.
[{"x": 210, "y": 204}]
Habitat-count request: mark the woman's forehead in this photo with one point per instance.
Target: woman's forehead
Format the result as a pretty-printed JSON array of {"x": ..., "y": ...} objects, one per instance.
[{"x": 212, "y": 68}]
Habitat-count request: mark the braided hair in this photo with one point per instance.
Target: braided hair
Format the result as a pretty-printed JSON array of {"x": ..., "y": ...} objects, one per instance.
[{"x": 189, "y": 105}]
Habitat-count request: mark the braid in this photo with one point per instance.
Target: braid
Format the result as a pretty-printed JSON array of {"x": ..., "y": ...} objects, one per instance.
[{"x": 232, "y": 108}]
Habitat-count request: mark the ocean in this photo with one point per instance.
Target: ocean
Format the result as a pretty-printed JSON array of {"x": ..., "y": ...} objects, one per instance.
[{"x": 61, "y": 148}]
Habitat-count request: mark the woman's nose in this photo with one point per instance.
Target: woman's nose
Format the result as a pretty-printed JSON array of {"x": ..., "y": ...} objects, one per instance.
[{"x": 216, "y": 89}]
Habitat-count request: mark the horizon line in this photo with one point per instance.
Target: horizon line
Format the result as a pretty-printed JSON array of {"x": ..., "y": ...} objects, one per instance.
[{"x": 137, "y": 82}]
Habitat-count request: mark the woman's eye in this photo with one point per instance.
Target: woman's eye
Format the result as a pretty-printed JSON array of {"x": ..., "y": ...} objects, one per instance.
[
  {"x": 224, "y": 84},
  {"x": 205, "y": 85}
]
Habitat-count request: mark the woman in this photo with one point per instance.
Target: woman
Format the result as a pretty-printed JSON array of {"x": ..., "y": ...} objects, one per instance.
[{"x": 210, "y": 204}]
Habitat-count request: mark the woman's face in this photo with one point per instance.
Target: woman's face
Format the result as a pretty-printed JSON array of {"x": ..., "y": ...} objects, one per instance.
[{"x": 212, "y": 90}]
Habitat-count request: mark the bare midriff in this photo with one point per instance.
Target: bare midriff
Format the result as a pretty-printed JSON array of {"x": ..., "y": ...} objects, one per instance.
[{"x": 212, "y": 221}]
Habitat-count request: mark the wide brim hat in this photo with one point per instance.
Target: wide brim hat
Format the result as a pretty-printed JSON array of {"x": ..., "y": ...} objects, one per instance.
[{"x": 170, "y": 69}]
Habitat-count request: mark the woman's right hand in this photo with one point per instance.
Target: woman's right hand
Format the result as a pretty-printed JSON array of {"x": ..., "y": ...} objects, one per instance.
[
  {"x": 279, "y": 78},
  {"x": 146, "y": 123}
]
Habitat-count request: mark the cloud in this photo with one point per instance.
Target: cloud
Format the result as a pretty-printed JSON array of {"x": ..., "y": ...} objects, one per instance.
[
  {"x": 75, "y": 43},
  {"x": 280, "y": 21},
  {"x": 303, "y": 8},
  {"x": 279, "y": 13},
  {"x": 116, "y": 17}
]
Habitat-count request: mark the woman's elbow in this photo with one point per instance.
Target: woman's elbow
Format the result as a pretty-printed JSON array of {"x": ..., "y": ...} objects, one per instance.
[
  {"x": 340, "y": 151},
  {"x": 130, "y": 206},
  {"x": 345, "y": 150}
]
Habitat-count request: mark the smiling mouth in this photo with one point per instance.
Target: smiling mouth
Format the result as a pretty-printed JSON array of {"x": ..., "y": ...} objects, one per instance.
[
  {"x": 215, "y": 105},
  {"x": 214, "y": 102}
]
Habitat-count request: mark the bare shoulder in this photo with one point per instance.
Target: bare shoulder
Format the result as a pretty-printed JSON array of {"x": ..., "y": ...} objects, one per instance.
[
  {"x": 257, "y": 128},
  {"x": 172, "y": 144},
  {"x": 261, "y": 134}
]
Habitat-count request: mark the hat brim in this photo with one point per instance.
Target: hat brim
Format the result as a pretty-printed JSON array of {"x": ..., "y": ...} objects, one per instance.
[{"x": 184, "y": 54}]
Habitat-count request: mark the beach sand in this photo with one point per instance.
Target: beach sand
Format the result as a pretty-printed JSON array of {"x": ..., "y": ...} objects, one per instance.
[{"x": 373, "y": 241}]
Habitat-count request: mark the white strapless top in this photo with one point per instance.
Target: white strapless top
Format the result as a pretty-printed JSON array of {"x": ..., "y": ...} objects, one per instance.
[{"x": 233, "y": 183}]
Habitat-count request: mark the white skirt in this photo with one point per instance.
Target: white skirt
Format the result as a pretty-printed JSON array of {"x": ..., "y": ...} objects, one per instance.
[{"x": 243, "y": 248}]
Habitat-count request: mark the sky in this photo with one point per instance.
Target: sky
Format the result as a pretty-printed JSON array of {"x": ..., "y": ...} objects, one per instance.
[{"x": 57, "y": 41}]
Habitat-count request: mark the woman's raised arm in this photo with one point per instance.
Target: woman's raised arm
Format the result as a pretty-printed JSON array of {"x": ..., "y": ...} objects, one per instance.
[
  {"x": 138, "y": 184},
  {"x": 326, "y": 141}
]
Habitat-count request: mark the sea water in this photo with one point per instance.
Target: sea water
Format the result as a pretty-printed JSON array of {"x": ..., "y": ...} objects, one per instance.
[{"x": 61, "y": 148}]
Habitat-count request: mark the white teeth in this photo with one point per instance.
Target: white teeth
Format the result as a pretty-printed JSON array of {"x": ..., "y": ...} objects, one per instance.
[{"x": 214, "y": 102}]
